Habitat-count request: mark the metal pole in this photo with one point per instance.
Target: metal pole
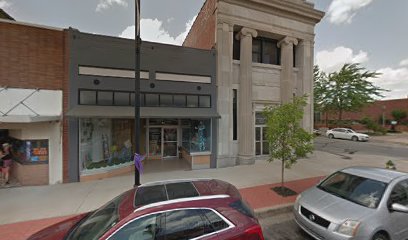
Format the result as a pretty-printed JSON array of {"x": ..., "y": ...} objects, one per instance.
[{"x": 137, "y": 87}]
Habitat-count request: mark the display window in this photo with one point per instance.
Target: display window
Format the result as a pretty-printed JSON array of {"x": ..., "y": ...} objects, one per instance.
[
  {"x": 30, "y": 151},
  {"x": 196, "y": 135},
  {"x": 105, "y": 142}
]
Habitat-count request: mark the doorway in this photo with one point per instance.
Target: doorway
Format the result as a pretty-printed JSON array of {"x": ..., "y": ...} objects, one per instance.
[{"x": 163, "y": 142}]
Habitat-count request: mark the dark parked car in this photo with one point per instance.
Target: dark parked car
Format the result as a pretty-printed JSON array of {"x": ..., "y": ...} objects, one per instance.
[{"x": 170, "y": 210}]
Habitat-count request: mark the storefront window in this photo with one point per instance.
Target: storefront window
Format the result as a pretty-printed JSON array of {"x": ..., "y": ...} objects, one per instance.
[
  {"x": 30, "y": 151},
  {"x": 197, "y": 135},
  {"x": 105, "y": 142}
]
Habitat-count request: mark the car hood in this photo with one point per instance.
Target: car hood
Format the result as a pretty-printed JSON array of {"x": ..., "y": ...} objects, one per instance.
[
  {"x": 331, "y": 207},
  {"x": 57, "y": 231}
]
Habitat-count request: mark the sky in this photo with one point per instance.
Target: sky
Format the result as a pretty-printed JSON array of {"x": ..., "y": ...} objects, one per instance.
[{"x": 371, "y": 32}]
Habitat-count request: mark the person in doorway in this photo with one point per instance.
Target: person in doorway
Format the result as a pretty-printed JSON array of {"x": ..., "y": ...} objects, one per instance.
[{"x": 7, "y": 161}]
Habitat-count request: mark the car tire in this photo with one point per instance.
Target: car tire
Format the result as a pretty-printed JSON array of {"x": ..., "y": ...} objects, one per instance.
[
  {"x": 354, "y": 138},
  {"x": 380, "y": 236},
  {"x": 331, "y": 136}
]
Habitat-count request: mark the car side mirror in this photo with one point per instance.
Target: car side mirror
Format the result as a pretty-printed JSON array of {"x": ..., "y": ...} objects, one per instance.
[{"x": 399, "y": 208}]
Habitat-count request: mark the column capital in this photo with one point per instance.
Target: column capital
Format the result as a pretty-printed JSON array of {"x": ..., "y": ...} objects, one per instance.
[
  {"x": 246, "y": 32},
  {"x": 288, "y": 40},
  {"x": 227, "y": 27}
]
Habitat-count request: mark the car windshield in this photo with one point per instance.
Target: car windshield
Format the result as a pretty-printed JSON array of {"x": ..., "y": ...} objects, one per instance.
[
  {"x": 363, "y": 191},
  {"x": 98, "y": 222}
]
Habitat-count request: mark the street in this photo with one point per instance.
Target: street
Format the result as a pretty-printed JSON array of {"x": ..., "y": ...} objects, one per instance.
[
  {"x": 284, "y": 230},
  {"x": 346, "y": 148}
]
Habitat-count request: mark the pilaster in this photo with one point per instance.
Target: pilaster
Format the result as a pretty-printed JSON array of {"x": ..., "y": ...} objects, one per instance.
[{"x": 287, "y": 89}]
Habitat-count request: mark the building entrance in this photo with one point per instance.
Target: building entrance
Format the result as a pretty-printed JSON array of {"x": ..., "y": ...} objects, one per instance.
[{"x": 163, "y": 142}]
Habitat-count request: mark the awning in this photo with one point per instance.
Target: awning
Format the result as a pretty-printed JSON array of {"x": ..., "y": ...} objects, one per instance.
[
  {"x": 145, "y": 112},
  {"x": 27, "y": 119}
]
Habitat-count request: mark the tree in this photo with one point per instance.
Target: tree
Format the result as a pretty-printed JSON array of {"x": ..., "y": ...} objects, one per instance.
[
  {"x": 287, "y": 140},
  {"x": 398, "y": 114},
  {"x": 349, "y": 89}
]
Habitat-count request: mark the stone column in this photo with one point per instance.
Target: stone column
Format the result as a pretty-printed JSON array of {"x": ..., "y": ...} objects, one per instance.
[
  {"x": 224, "y": 40},
  {"x": 246, "y": 128},
  {"x": 287, "y": 85},
  {"x": 304, "y": 57}
]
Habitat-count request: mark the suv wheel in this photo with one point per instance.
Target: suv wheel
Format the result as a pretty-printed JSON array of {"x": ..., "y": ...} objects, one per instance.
[
  {"x": 354, "y": 138},
  {"x": 331, "y": 136},
  {"x": 380, "y": 236}
]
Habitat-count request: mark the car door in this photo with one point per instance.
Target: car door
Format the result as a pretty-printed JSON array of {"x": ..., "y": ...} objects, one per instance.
[
  {"x": 399, "y": 220},
  {"x": 183, "y": 224},
  {"x": 339, "y": 133},
  {"x": 348, "y": 134}
]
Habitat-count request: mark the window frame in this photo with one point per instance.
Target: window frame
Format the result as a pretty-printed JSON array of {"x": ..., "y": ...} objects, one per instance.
[
  {"x": 228, "y": 222},
  {"x": 393, "y": 188},
  {"x": 261, "y": 141}
]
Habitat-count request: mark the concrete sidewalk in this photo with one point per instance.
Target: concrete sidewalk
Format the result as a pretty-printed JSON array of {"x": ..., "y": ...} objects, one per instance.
[{"x": 29, "y": 203}]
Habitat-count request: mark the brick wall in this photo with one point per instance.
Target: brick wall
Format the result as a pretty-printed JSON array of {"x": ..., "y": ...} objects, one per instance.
[
  {"x": 202, "y": 33},
  {"x": 374, "y": 110},
  {"x": 31, "y": 57}
]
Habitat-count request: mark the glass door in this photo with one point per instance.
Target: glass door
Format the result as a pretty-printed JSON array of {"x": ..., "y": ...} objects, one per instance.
[
  {"x": 155, "y": 142},
  {"x": 169, "y": 142}
]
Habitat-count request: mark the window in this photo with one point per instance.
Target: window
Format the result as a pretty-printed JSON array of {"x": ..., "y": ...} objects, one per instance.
[
  {"x": 105, "y": 98},
  {"x": 196, "y": 135},
  {"x": 261, "y": 141},
  {"x": 152, "y": 100},
  {"x": 144, "y": 228},
  {"x": 266, "y": 51},
  {"x": 400, "y": 193},
  {"x": 192, "y": 101},
  {"x": 181, "y": 190},
  {"x": 87, "y": 97},
  {"x": 122, "y": 98},
  {"x": 150, "y": 194},
  {"x": 205, "y": 101},
  {"x": 179, "y": 100},
  {"x": 234, "y": 114},
  {"x": 166, "y": 100},
  {"x": 30, "y": 151},
  {"x": 186, "y": 224},
  {"x": 236, "y": 47},
  {"x": 216, "y": 221}
]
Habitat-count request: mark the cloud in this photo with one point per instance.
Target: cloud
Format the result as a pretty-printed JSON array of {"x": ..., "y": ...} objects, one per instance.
[
  {"x": 343, "y": 11},
  {"x": 152, "y": 30},
  {"x": 395, "y": 80},
  {"x": 404, "y": 62},
  {"x": 4, "y": 4},
  {"x": 330, "y": 61},
  {"x": 105, "y": 4}
]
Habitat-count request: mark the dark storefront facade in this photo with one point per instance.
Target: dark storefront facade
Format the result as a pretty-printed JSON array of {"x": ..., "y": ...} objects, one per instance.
[{"x": 178, "y": 105}]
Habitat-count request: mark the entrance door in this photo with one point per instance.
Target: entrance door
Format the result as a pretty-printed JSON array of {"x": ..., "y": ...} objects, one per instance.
[
  {"x": 169, "y": 142},
  {"x": 155, "y": 142}
]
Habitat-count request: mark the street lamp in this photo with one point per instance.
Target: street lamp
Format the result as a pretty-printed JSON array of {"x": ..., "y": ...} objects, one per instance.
[{"x": 137, "y": 89}]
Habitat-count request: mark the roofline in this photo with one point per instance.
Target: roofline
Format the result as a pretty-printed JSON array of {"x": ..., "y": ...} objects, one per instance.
[
  {"x": 30, "y": 25},
  {"x": 181, "y": 200},
  {"x": 7, "y": 15}
]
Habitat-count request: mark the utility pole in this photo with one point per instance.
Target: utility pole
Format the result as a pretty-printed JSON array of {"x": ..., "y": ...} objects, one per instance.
[{"x": 137, "y": 88}]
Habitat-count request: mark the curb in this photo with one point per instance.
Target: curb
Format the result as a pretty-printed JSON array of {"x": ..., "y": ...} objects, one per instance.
[{"x": 262, "y": 213}]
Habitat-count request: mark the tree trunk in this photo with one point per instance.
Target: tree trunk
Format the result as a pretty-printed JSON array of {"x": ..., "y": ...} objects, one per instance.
[{"x": 282, "y": 173}]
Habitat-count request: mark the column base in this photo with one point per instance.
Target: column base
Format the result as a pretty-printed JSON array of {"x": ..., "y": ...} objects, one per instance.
[
  {"x": 246, "y": 160},
  {"x": 226, "y": 161}
]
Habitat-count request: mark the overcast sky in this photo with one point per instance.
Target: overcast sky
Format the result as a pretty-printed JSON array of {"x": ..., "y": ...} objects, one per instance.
[{"x": 371, "y": 32}]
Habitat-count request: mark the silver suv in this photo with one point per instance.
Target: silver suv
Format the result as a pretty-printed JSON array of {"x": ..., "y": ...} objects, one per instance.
[{"x": 359, "y": 203}]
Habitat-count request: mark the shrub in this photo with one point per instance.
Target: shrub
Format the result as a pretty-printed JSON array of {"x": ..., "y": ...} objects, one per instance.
[{"x": 372, "y": 125}]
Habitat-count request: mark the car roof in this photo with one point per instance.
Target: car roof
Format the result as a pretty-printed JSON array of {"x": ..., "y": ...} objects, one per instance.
[{"x": 380, "y": 174}]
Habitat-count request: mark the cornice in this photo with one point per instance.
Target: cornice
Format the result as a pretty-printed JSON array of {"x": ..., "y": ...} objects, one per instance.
[{"x": 296, "y": 9}]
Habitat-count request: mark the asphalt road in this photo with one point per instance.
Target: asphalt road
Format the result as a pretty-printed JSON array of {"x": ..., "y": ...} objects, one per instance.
[
  {"x": 283, "y": 230},
  {"x": 347, "y": 148}
]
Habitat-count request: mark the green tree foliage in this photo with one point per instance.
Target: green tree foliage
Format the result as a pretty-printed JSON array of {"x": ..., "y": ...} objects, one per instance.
[
  {"x": 399, "y": 115},
  {"x": 349, "y": 89},
  {"x": 287, "y": 140}
]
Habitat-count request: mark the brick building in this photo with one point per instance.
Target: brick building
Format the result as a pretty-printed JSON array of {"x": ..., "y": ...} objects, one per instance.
[
  {"x": 264, "y": 57},
  {"x": 33, "y": 67}
]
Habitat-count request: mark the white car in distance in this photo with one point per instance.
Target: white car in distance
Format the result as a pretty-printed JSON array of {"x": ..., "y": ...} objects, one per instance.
[{"x": 346, "y": 133}]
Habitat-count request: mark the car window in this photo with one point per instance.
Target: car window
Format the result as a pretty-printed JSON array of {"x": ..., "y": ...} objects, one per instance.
[
  {"x": 363, "y": 191},
  {"x": 186, "y": 224},
  {"x": 181, "y": 190},
  {"x": 217, "y": 223},
  {"x": 145, "y": 228},
  {"x": 150, "y": 194},
  {"x": 400, "y": 193},
  {"x": 98, "y": 222}
]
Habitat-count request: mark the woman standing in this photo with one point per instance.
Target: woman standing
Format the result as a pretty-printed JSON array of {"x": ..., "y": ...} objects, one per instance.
[{"x": 7, "y": 161}]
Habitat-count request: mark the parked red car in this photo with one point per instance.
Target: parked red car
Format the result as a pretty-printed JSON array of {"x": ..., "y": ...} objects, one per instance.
[{"x": 171, "y": 210}]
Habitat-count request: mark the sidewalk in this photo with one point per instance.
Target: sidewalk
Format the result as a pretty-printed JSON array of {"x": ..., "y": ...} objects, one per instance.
[
  {"x": 259, "y": 197},
  {"x": 254, "y": 182}
]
